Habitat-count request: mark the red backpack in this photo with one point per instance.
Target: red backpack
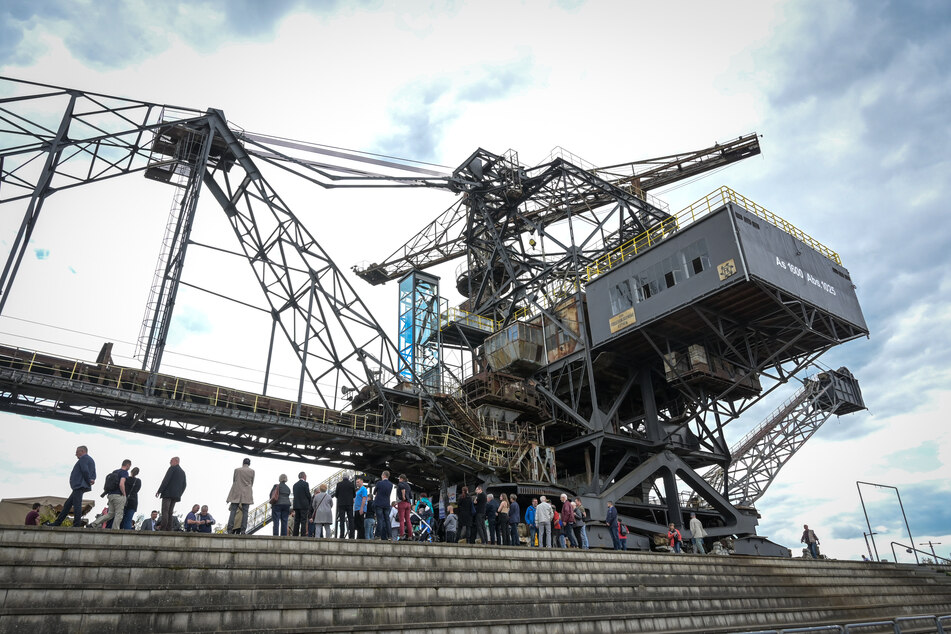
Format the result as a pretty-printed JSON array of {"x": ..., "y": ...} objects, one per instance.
[{"x": 556, "y": 522}]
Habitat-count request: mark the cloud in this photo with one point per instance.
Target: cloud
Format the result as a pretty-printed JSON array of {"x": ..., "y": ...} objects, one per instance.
[
  {"x": 423, "y": 110},
  {"x": 187, "y": 321},
  {"x": 41, "y": 254},
  {"x": 116, "y": 33}
]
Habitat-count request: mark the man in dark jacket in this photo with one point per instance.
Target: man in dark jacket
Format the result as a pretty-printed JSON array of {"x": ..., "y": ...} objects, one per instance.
[
  {"x": 515, "y": 516},
  {"x": 611, "y": 519},
  {"x": 464, "y": 511},
  {"x": 171, "y": 491},
  {"x": 381, "y": 505},
  {"x": 344, "y": 494},
  {"x": 480, "y": 504},
  {"x": 81, "y": 479},
  {"x": 302, "y": 508},
  {"x": 491, "y": 516}
]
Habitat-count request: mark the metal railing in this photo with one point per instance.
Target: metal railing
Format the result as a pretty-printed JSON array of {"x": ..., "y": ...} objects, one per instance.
[
  {"x": 909, "y": 549},
  {"x": 939, "y": 623},
  {"x": 691, "y": 214},
  {"x": 260, "y": 515}
]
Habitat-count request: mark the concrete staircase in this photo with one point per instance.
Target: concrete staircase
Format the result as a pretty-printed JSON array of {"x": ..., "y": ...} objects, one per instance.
[{"x": 75, "y": 580}]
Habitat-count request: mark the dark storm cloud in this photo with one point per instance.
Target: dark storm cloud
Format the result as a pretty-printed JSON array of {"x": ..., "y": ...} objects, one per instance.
[
  {"x": 115, "y": 33},
  {"x": 422, "y": 111},
  {"x": 862, "y": 129}
]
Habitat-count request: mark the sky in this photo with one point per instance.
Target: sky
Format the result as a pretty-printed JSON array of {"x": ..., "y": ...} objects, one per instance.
[{"x": 850, "y": 99}]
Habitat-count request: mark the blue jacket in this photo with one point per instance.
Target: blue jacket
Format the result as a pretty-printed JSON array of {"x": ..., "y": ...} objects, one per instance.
[
  {"x": 530, "y": 515},
  {"x": 83, "y": 473},
  {"x": 515, "y": 513},
  {"x": 612, "y": 515}
]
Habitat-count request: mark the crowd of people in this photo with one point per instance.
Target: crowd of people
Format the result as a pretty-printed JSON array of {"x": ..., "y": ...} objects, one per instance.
[{"x": 354, "y": 510}]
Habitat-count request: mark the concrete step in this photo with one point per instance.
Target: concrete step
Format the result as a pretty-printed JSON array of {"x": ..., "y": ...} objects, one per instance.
[{"x": 54, "y": 580}]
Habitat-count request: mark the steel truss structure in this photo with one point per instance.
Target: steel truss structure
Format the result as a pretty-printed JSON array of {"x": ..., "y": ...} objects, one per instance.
[
  {"x": 758, "y": 456},
  {"x": 624, "y": 415}
]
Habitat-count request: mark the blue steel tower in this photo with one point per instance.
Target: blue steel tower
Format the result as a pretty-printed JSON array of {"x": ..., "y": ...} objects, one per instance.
[{"x": 419, "y": 329}]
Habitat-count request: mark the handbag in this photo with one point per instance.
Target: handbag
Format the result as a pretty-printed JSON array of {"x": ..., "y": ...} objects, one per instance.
[{"x": 275, "y": 494}]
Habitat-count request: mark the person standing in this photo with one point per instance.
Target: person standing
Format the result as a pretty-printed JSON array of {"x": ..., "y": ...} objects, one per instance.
[
  {"x": 132, "y": 486},
  {"x": 323, "y": 511},
  {"x": 515, "y": 516},
  {"x": 530, "y": 522},
  {"x": 450, "y": 525},
  {"x": 544, "y": 514},
  {"x": 81, "y": 479},
  {"x": 360, "y": 509},
  {"x": 505, "y": 533},
  {"x": 171, "y": 491},
  {"x": 404, "y": 502},
  {"x": 697, "y": 534},
  {"x": 480, "y": 503},
  {"x": 344, "y": 493},
  {"x": 613, "y": 524},
  {"x": 240, "y": 494},
  {"x": 491, "y": 517},
  {"x": 581, "y": 533},
  {"x": 150, "y": 523},
  {"x": 115, "y": 492},
  {"x": 394, "y": 521},
  {"x": 809, "y": 539},
  {"x": 281, "y": 509},
  {"x": 464, "y": 511},
  {"x": 381, "y": 504},
  {"x": 302, "y": 508},
  {"x": 568, "y": 521}
]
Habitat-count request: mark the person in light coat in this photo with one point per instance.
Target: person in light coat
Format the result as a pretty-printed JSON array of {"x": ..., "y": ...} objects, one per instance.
[
  {"x": 544, "y": 514},
  {"x": 697, "y": 534},
  {"x": 240, "y": 494},
  {"x": 323, "y": 511}
]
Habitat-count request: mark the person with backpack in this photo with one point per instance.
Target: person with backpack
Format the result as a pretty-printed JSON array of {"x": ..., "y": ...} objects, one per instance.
[
  {"x": 114, "y": 491},
  {"x": 280, "y": 506},
  {"x": 556, "y": 526},
  {"x": 622, "y": 535},
  {"x": 673, "y": 537}
]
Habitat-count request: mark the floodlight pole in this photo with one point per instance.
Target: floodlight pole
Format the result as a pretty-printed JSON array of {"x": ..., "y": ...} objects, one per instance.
[{"x": 900, "y": 505}]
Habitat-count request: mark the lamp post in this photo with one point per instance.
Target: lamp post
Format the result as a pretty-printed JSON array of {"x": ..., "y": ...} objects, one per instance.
[
  {"x": 900, "y": 505},
  {"x": 931, "y": 545}
]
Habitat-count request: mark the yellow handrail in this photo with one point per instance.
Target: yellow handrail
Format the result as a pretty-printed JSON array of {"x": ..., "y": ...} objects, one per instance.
[{"x": 692, "y": 213}]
